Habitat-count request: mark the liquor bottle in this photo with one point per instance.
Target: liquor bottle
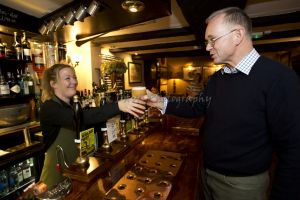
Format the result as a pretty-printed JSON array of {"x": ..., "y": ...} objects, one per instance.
[
  {"x": 3, "y": 183},
  {"x": 30, "y": 82},
  {"x": 19, "y": 173},
  {"x": 25, "y": 83},
  {"x": 4, "y": 87},
  {"x": 14, "y": 87},
  {"x": 77, "y": 115},
  {"x": 20, "y": 82},
  {"x": 13, "y": 178},
  {"x": 26, "y": 171},
  {"x": 2, "y": 49},
  {"x": 31, "y": 164},
  {"x": 17, "y": 47},
  {"x": 26, "y": 48}
]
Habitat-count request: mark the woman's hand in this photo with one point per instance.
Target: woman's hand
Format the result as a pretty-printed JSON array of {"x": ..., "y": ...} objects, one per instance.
[{"x": 135, "y": 107}]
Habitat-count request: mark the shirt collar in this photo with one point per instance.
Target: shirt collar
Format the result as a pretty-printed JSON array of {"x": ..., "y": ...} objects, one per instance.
[{"x": 244, "y": 66}]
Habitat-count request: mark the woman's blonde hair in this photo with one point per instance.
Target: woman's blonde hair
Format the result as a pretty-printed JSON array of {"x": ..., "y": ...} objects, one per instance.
[{"x": 51, "y": 74}]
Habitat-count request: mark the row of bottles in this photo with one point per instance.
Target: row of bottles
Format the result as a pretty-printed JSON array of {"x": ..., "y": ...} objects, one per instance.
[
  {"x": 16, "y": 176},
  {"x": 19, "y": 85}
]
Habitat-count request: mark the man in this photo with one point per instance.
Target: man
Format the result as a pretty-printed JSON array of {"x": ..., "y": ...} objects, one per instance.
[{"x": 252, "y": 109}]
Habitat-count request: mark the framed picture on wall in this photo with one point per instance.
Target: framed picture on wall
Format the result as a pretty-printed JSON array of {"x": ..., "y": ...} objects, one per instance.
[
  {"x": 135, "y": 73},
  {"x": 188, "y": 73}
]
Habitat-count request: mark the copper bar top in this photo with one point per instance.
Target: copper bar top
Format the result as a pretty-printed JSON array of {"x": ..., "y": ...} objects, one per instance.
[{"x": 186, "y": 186}]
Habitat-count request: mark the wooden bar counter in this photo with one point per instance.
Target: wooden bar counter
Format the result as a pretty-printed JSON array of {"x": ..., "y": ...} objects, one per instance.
[{"x": 186, "y": 185}]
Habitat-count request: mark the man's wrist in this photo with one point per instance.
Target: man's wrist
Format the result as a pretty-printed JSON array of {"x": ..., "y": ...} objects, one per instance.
[{"x": 164, "y": 104}]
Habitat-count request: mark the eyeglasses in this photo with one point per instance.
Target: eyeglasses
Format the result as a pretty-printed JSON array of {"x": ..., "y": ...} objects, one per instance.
[{"x": 213, "y": 40}]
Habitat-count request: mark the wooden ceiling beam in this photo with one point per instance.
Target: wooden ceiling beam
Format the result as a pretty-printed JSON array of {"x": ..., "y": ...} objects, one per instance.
[
  {"x": 143, "y": 35},
  {"x": 190, "y": 53},
  {"x": 154, "y": 46}
]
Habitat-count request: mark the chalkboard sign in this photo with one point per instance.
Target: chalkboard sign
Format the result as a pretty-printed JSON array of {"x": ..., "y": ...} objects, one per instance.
[{"x": 16, "y": 19}]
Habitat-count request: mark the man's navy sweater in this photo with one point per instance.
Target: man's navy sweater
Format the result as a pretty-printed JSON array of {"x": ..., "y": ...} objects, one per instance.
[{"x": 249, "y": 117}]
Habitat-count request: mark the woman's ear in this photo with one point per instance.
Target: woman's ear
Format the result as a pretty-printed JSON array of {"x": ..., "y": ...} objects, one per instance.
[{"x": 52, "y": 84}]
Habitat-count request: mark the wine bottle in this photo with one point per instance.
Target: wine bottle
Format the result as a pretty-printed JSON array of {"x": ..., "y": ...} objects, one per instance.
[
  {"x": 20, "y": 82},
  {"x": 30, "y": 82},
  {"x": 26, "y": 48},
  {"x": 17, "y": 47},
  {"x": 14, "y": 87}
]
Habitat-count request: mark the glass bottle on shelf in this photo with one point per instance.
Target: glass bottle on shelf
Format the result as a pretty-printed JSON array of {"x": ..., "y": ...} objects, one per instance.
[
  {"x": 17, "y": 47},
  {"x": 26, "y": 48},
  {"x": 13, "y": 84},
  {"x": 4, "y": 189},
  {"x": 20, "y": 82},
  {"x": 26, "y": 171},
  {"x": 25, "y": 84},
  {"x": 31, "y": 164},
  {"x": 19, "y": 173},
  {"x": 30, "y": 82},
  {"x": 2, "y": 49},
  {"x": 4, "y": 87},
  {"x": 13, "y": 178}
]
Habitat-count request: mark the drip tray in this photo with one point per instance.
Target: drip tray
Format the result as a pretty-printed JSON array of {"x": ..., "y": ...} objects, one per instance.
[{"x": 149, "y": 179}]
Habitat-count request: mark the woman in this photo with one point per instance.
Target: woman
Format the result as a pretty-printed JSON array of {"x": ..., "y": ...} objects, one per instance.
[{"x": 57, "y": 117}]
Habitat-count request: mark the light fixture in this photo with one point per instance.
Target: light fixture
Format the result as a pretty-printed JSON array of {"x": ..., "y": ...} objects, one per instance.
[
  {"x": 80, "y": 13},
  {"x": 58, "y": 23},
  {"x": 50, "y": 27},
  {"x": 94, "y": 6},
  {"x": 70, "y": 17},
  {"x": 133, "y": 5},
  {"x": 43, "y": 29}
]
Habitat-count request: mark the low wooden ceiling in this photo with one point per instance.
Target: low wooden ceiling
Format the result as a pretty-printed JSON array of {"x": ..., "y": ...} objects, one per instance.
[{"x": 168, "y": 28}]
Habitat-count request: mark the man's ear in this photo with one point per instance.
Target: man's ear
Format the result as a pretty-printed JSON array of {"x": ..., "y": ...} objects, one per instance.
[{"x": 239, "y": 35}]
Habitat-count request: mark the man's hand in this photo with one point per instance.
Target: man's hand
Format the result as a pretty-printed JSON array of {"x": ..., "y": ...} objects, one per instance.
[{"x": 154, "y": 100}]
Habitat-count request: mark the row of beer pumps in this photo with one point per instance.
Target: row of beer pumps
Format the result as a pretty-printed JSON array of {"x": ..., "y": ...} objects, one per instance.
[{"x": 125, "y": 124}]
